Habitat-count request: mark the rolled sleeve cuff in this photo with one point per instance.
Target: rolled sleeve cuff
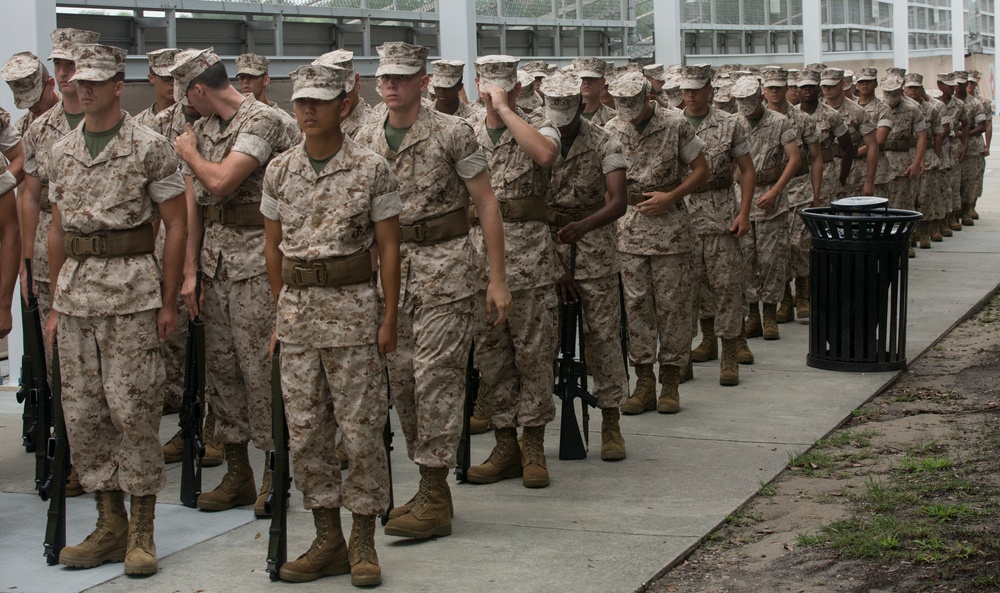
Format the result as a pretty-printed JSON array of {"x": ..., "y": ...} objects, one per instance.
[
  {"x": 866, "y": 128},
  {"x": 254, "y": 146},
  {"x": 840, "y": 130},
  {"x": 741, "y": 149},
  {"x": 981, "y": 118},
  {"x": 810, "y": 139},
  {"x": 690, "y": 152},
  {"x": 269, "y": 207},
  {"x": 919, "y": 126},
  {"x": 30, "y": 166},
  {"x": 471, "y": 165},
  {"x": 385, "y": 206},
  {"x": 552, "y": 133},
  {"x": 7, "y": 182},
  {"x": 789, "y": 136},
  {"x": 885, "y": 123},
  {"x": 613, "y": 162},
  {"x": 9, "y": 138},
  {"x": 170, "y": 186}
]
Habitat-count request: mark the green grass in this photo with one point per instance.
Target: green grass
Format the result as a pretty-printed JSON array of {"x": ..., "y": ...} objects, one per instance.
[
  {"x": 949, "y": 512},
  {"x": 848, "y": 438},
  {"x": 927, "y": 464}
]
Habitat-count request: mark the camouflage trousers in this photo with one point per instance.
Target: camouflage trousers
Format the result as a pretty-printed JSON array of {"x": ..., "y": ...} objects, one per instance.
[
  {"x": 973, "y": 169},
  {"x": 831, "y": 189},
  {"x": 427, "y": 378},
  {"x": 900, "y": 192},
  {"x": 239, "y": 319},
  {"x": 799, "y": 244},
  {"x": 765, "y": 249},
  {"x": 659, "y": 304},
  {"x": 932, "y": 196},
  {"x": 173, "y": 358},
  {"x": 601, "y": 302},
  {"x": 719, "y": 283},
  {"x": 952, "y": 185},
  {"x": 326, "y": 388},
  {"x": 43, "y": 291},
  {"x": 112, "y": 373},
  {"x": 513, "y": 359}
]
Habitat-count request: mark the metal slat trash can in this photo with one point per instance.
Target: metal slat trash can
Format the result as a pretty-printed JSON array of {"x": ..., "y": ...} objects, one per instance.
[{"x": 858, "y": 284}]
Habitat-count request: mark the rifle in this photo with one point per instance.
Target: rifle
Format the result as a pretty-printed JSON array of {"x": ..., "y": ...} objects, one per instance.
[
  {"x": 54, "y": 488},
  {"x": 387, "y": 435},
  {"x": 35, "y": 392},
  {"x": 572, "y": 381},
  {"x": 277, "y": 499},
  {"x": 192, "y": 406},
  {"x": 464, "y": 457}
]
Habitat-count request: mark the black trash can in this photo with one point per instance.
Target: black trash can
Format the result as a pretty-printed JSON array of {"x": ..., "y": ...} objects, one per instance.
[{"x": 858, "y": 284}]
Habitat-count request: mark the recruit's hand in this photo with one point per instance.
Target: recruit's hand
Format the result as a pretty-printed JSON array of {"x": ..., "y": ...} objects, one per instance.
[
  {"x": 573, "y": 232},
  {"x": 868, "y": 189},
  {"x": 498, "y": 299},
  {"x": 186, "y": 145},
  {"x": 567, "y": 288},
  {"x": 767, "y": 200},
  {"x": 166, "y": 322},
  {"x": 6, "y": 322},
  {"x": 387, "y": 336},
  {"x": 187, "y": 293},
  {"x": 740, "y": 226},
  {"x": 51, "y": 327},
  {"x": 657, "y": 204},
  {"x": 273, "y": 346}
]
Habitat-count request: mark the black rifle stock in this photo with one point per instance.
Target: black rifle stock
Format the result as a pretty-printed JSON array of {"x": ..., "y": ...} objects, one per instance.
[
  {"x": 281, "y": 480},
  {"x": 35, "y": 393},
  {"x": 192, "y": 409},
  {"x": 464, "y": 457},
  {"x": 29, "y": 417},
  {"x": 387, "y": 435},
  {"x": 54, "y": 489},
  {"x": 572, "y": 380}
]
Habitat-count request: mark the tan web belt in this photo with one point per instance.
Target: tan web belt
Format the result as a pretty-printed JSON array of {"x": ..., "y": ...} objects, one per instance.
[
  {"x": 635, "y": 197},
  {"x": 901, "y": 145},
  {"x": 768, "y": 176},
  {"x": 559, "y": 217},
  {"x": 335, "y": 271},
  {"x": 43, "y": 199},
  {"x": 518, "y": 210},
  {"x": 137, "y": 241},
  {"x": 721, "y": 182},
  {"x": 827, "y": 154},
  {"x": 236, "y": 215},
  {"x": 436, "y": 229}
]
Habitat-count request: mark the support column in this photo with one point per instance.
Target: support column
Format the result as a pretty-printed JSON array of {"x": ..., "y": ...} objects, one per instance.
[
  {"x": 900, "y": 35},
  {"x": 457, "y": 40},
  {"x": 669, "y": 38},
  {"x": 957, "y": 34},
  {"x": 171, "y": 17},
  {"x": 812, "y": 33},
  {"x": 279, "y": 35}
]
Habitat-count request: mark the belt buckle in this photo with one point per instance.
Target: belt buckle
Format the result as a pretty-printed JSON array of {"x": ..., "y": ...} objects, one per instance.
[
  {"x": 504, "y": 209},
  {"x": 88, "y": 245},
  {"x": 310, "y": 274},
  {"x": 421, "y": 231}
]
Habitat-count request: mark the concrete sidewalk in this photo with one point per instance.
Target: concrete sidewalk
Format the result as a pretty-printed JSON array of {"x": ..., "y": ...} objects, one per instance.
[{"x": 599, "y": 527}]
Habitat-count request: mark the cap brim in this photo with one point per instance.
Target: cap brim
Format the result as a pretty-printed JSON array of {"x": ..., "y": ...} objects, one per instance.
[
  {"x": 180, "y": 95},
  {"x": 485, "y": 83},
  {"x": 588, "y": 74},
  {"x": 92, "y": 75},
  {"x": 60, "y": 55},
  {"x": 830, "y": 82},
  {"x": 689, "y": 84},
  {"x": 803, "y": 83},
  {"x": 251, "y": 71},
  {"x": 396, "y": 69},
  {"x": 865, "y": 78},
  {"x": 774, "y": 83},
  {"x": 315, "y": 93},
  {"x": 444, "y": 82},
  {"x": 914, "y": 84},
  {"x": 26, "y": 100},
  {"x": 162, "y": 72}
]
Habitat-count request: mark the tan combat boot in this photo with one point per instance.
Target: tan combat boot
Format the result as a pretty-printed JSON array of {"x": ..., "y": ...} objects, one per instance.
[
  {"x": 688, "y": 373},
  {"x": 945, "y": 228},
  {"x": 770, "y": 323},
  {"x": 967, "y": 215},
  {"x": 536, "y": 470},
  {"x": 924, "y": 234},
  {"x": 213, "y": 448},
  {"x": 504, "y": 461},
  {"x": 430, "y": 513},
  {"x": 73, "y": 486},
  {"x": 972, "y": 211},
  {"x": 109, "y": 540},
  {"x": 480, "y": 421},
  {"x": 670, "y": 399},
  {"x": 743, "y": 353},
  {"x": 326, "y": 557},
  {"x": 405, "y": 508},
  {"x": 955, "y": 218},
  {"x": 802, "y": 297},
  {"x": 365, "y": 571},
  {"x": 786, "y": 309},
  {"x": 141, "y": 556},
  {"x": 752, "y": 327},
  {"x": 709, "y": 347},
  {"x": 643, "y": 397},
  {"x": 935, "y": 226},
  {"x": 612, "y": 441},
  {"x": 173, "y": 450},
  {"x": 259, "y": 509},
  {"x": 729, "y": 369},
  {"x": 237, "y": 487}
]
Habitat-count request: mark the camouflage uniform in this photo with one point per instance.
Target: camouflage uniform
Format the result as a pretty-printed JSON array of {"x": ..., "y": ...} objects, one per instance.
[
  {"x": 360, "y": 116},
  {"x": 112, "y": 368},
  {"x": 238, "y": 309},
  {"x": 950, "y": 168},
  {"x": 979, "y": 110},
  {"x": 958, "y": 145},
  {"x": 290, "y": 124},
  {"x": 601, "y": 117},
  {"x": 765, "y": 247},
  {"x": 657, "y": 252},
  {"x": 859, "y": 124},
  {"x": 930, "y": 201},
  {"x": 907, "y": 122},
  {"x": 800, "y": 195},
  {"x": 517, "y": 387},
  {"x": 578, "y": 182},
  {"x": 331, "y": 373},
  {"x": 427, "y": 371},
  {"x": 830, "y": 126},
  {"x": 718, "y": 263}
]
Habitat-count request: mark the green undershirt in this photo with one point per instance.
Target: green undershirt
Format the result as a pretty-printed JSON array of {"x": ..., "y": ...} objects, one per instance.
[
  {"x": 97, "y": 141},
  {"x": 319, "y": 164},
  {"x": 642, "y": 125},
  {"x": 496, "y": 134},
  {"x": 588, "y": 116},
  {"x": 224, "y": 123},
  {"x": 190, "y": 118},
  {"x": 695, "y": 120},
  {"x": 394, "y": 136},
  {"x": 73, "y": 119}
]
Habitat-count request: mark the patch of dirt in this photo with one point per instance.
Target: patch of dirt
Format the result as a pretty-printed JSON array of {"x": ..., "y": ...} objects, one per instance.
[{"x": 905, "y": 497}]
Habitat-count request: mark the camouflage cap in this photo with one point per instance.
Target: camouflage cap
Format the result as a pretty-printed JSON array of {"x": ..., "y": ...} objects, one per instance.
[
  {"x": 252, "y": 64},
  {"x": 64, "y": 40},
  {"x": 188, "y": 65},
  {"x": 973, "y": 76},
  {"x": 497, "y": 70},
  {"x": 655, "y": 71},
  {"x": 947, "y": 78},
  {"x": 891, "y": 83},
  {"x": 672, "y": 83},
  {"x": 935, "y": 94},
  {"x": 961, "y": 76},
  {"x": 397, "y": 57},
  {"x": 723, "y": 90},
  {"x": 746, "y": 88},
  {"x": 695, "y": 77},
  {"x": 913, "y": 79},
  {"x": 97, "y": 63},
  {"x": 527, "y": 81},
  {"x": 775, "y": 77},
  {"x": 831, "y": 77},
  {"x": 809, "y": 78},
  {"x": 794, "y": 75},
  {"x": 629, "y": 91},
  {"x": 26, "y": 78},
  {"x": 849, "y": 77},
  {"x": 447, "y": 73},
  {"x": 589, "y": 67},
  {"x": 818, "y": 66},
  {"x": 562, "y": 97},
  {"x": 727, "y": 68},
  {"x": 560, "y": 84},
  {"x": 161, "y": 60},
  {"x": 341, "y": 58},
  {"x": 325, "y": 83},
  {"x": 900, "y": 72},
  {"x": 866, "y": 73},
  {"x": 536, "y": 68}
]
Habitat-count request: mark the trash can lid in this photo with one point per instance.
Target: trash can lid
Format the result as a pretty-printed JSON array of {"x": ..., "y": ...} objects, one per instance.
[{"x": 859, "y": 204}]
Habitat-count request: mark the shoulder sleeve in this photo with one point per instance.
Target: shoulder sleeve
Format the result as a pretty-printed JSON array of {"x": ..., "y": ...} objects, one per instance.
[
  {"x": 740, "y": 145},
  {"x": 866, "y": 125},
  {"x": 162, "y": 168},
  {"x": 788, "y": 133},
  {"x": 28, "y": 147},
  {"x": 385, "y": 201},
  {"x": 837, "y": 124},
  {"x": 270, "y": 191},
  {"x": 9, "y": 136},
  {"x": 262, "y": 136},
  {"x": 463, "y": 149},
  {"x": 612, "y": 154}
]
